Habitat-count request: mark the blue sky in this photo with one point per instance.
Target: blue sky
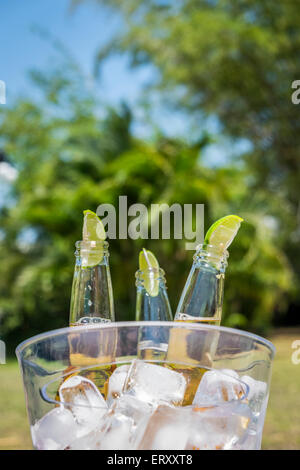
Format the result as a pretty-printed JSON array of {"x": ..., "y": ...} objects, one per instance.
[{"x": 82, "y": 31}]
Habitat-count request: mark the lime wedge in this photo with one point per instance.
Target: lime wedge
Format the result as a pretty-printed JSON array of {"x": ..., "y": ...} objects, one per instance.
[
  {"x": 93, "y": 228},
  {"x": 92, "y": 231},
  {"x": 149, "y": 267},
  {"x": 223, "y": 231}
]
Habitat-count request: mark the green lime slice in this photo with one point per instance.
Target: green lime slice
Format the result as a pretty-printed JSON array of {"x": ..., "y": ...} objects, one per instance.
[
  {"x": 149, "y": 267},
  {"x": 92, "y": 231},
  {"x": 223, "y": 231}
]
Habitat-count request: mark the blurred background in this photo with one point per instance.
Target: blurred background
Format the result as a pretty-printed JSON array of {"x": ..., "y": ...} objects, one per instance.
[{"x": 183, "y": 102}]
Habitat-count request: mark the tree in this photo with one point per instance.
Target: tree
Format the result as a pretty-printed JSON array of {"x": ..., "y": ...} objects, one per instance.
[
  {"x": 237, "y": 60},
  {"x": 69, "y": 156}
]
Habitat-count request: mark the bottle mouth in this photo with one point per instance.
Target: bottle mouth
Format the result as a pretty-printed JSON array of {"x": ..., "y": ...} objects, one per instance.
[
  {"x": 211, "y": 254},
  {"x": 154, "y": 273},
  {"x": 93, "y": 246}
]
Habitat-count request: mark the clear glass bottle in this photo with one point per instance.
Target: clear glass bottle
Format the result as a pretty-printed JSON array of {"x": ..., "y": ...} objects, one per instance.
[
  {"x": 201, "y": 301},
  {"x": 91, "y": 304},
  {"x": 152, "y": 307},
  {"x": 202, "y": 297},
  {"x": 153, "y": 342},
  {"x": 92, "y": 294}
]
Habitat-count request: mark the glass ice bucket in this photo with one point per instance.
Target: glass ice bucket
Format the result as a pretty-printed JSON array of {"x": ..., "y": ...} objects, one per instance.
[{"x": 146, "y": 385}]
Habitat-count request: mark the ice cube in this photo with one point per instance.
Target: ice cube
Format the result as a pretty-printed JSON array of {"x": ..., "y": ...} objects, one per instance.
[
  {"x": 118, "y": 433},
  {"x": 167, "y": 429},
  {"x": 257, "y": 393},
  {"x": 230, "y": 372},
  {"x": 125, "y": 423},
  {"x": 55, "y": 431},
  {"x": 217, "y": 387},
  {"x": 135, "y": 409},
  {"x": 84, "y": 400},
  {"x": 116, "y": 382},
  {"x": 154, "y": 384},
  {"x": 219, "y": 427},
  {"x": 90, "y": 441}
]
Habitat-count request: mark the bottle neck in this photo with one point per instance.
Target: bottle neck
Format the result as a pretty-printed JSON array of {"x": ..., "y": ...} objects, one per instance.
[
  {"x": 202, "y": 296},
  {"x": 152, "y": 302},
  {"x": 154, "y": 275},
  {"x": 92, "y": 295},
  {"x": 89, "y": 254},
  {"x": 210, "y": 256}
]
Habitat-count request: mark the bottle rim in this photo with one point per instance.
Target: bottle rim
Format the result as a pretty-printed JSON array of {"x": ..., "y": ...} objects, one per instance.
[
  {"x": 211, "y": 253},
  {"x": 157, "y": 274},
  {"x": 212, "y": 248},
  {"x": 158, "y": 271},
  {"x": 91, "y": 244}
]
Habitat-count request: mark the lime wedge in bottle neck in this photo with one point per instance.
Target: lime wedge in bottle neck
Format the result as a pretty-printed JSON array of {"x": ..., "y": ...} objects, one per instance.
[
  {"x": 149, "y": 268},
  {"x": 223, "y": 231},
  {"x": 92, "y": 233}
]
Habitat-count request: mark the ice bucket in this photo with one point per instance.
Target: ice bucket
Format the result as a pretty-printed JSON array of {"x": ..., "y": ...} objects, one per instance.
[{"x": 96, "y": 352}]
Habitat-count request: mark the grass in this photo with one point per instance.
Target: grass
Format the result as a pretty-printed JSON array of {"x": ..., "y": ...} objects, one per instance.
[
  {"x": 14, "y": 429},
  {"x": 282, "y": 425}
]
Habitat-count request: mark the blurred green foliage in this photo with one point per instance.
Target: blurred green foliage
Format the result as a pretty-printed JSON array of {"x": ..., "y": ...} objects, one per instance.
[
  {"x": 235, "y": 60},
  {"x": 72, "y": 154}
]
